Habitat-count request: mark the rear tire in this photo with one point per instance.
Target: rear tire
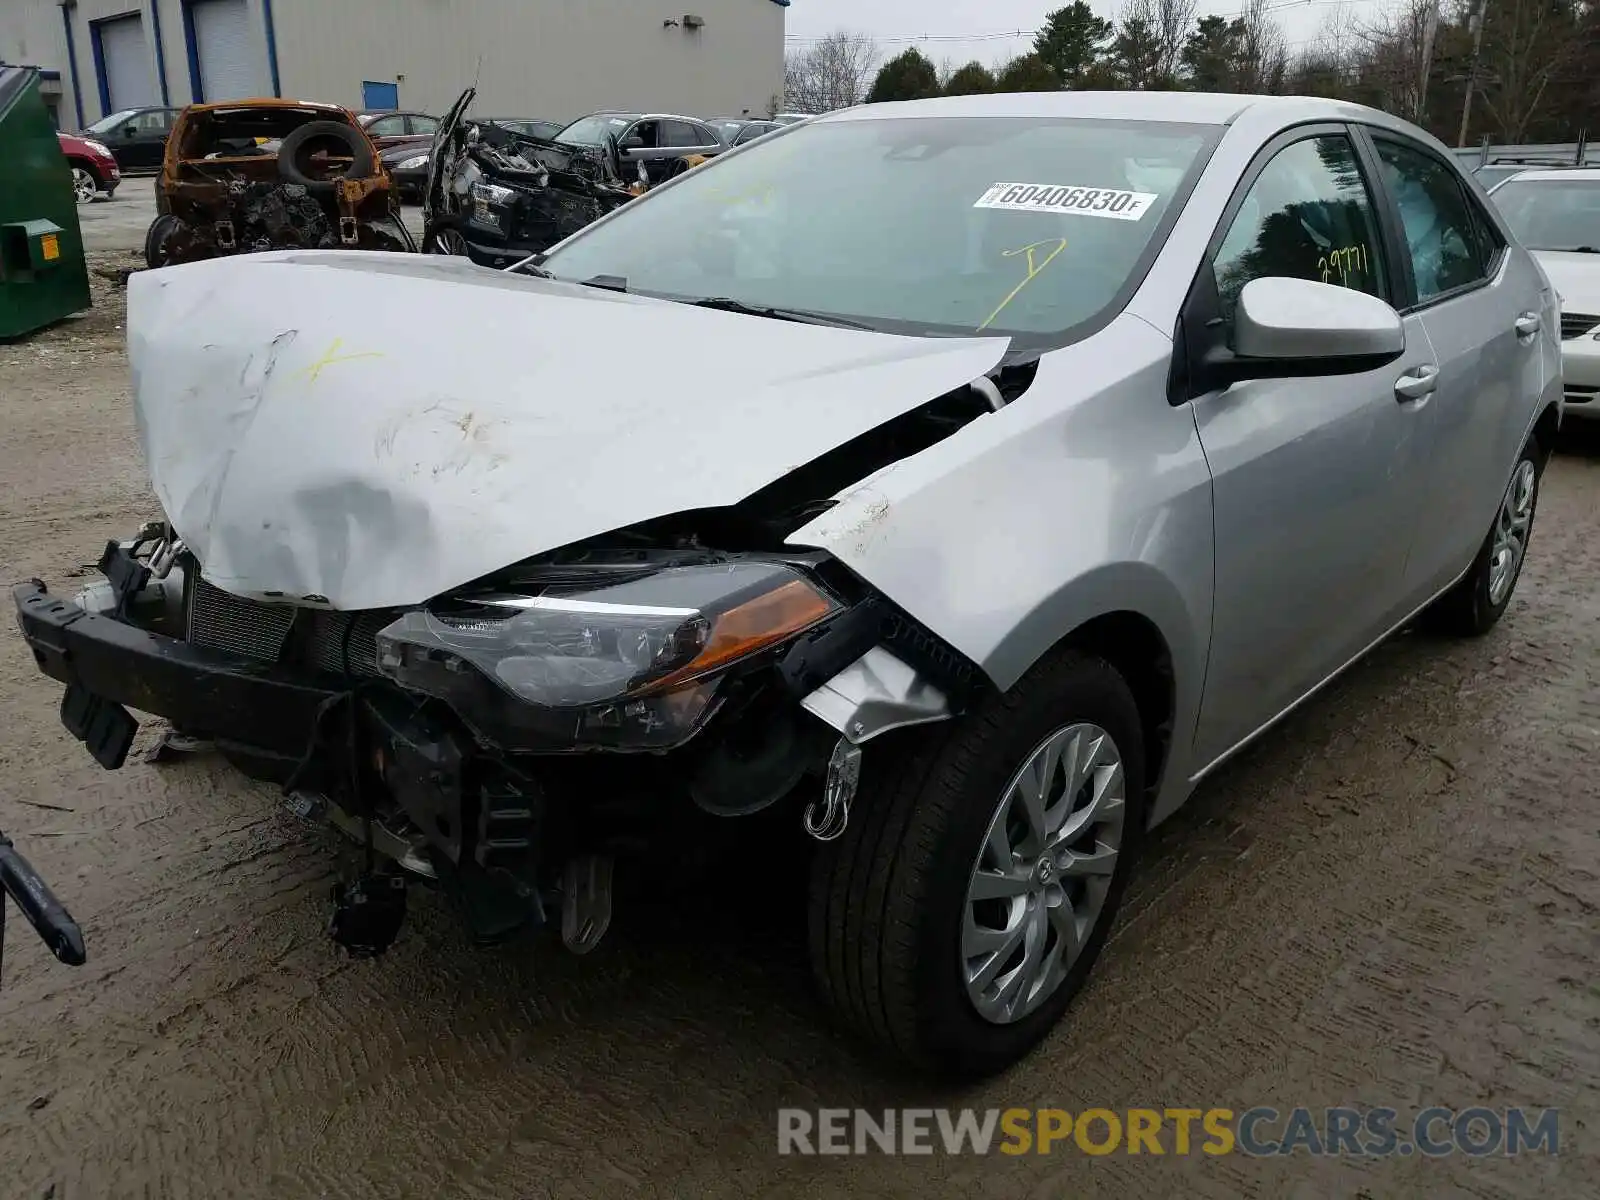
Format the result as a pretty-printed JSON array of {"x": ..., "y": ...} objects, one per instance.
[
  {"x": 1475, "y": 605},
  {"x": 157, "y": 240},
  {"x": 892, "y": 900}
]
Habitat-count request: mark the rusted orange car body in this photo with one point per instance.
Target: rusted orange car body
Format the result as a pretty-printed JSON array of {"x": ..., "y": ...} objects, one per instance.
[{"x": 268, "y": 174}]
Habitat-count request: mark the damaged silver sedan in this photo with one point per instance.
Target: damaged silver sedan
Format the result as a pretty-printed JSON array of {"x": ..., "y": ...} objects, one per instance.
[{"x": 1052, "y": 447}]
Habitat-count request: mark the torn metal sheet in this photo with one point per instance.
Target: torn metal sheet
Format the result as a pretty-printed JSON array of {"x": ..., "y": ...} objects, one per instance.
[
  {"x": 306, "y": 443},
  {"x": 937, "y": 532},
  {"x": 875, "y": 694}
]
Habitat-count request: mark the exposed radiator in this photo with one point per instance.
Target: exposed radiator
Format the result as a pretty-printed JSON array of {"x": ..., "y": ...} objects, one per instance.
[{"x": 341, "y": 643}]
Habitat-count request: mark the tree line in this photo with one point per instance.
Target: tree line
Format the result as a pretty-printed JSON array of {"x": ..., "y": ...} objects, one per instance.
[{"x": 1512, "y": 71}]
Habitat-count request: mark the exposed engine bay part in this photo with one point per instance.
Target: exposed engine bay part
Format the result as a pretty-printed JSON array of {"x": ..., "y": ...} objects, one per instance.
[
  {"x": 762, "y": 754},
  {"x": 367, "y": 913},
  {"x": 990, "y": 391},
  {"x": 409, "y": 851},
  {"x": 828, "y": 821},
  {"x": 617, "y": 639},
  {"x": 255, "y": 175},
  {"x": 875, "y": 694},
  {"x": 586, "y": 901},
  {"x": 498, "y": 196}
]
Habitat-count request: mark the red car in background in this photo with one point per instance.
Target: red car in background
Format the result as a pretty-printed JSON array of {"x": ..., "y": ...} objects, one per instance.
[{"x": 94, "y": 170}]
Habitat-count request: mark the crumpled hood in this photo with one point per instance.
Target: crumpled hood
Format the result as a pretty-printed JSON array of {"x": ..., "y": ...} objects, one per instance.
[
  {"x": 1576, "y": 278},
  {"x": 369, "y": 430}
]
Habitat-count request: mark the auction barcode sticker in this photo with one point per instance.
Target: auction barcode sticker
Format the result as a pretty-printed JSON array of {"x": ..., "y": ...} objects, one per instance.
[{"x": 1115, "y": 203}]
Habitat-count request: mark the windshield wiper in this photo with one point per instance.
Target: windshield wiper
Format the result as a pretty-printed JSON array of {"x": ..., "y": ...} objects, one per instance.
[
  {"x": 1584, "y": 250},
  {"x": 799, "y": 315}
]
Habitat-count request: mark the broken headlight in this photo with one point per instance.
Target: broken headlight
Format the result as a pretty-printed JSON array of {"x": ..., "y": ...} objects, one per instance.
[
  {"x": 488, "y": 201},
  {"x": 634, "y": 666},
  {"x": 414, "y": 163}
]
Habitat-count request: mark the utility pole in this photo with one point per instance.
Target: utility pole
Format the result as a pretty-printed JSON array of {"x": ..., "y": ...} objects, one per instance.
[
  {"x": 1472, "y": 71},
  {"x": 1429, "y": 31}
]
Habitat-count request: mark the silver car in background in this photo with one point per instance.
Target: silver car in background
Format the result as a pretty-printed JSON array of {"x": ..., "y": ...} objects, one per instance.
[
  {"x": 1055, "y": 447},
  {"x": 1556, "y": 215}
]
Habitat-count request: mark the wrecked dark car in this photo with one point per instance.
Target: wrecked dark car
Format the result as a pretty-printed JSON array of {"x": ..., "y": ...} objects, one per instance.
[
  {"x": 253, "y": 175},
  {"x": 497, "y": 195}
]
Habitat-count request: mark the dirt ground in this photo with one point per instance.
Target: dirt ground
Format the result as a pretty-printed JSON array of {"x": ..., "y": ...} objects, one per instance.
[{"x": 1394, "y": 900}]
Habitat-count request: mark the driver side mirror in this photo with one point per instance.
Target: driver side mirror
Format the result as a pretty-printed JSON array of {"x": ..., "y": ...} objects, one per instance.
[
  {"x": 1287, "y": 328},
  {"x": 632, "y": 142}
]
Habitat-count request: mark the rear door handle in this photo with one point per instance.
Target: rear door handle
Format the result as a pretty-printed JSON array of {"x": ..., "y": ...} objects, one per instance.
[
  {"x": 1527, "y": 325},
  {"x": 1416, "y": 383}
]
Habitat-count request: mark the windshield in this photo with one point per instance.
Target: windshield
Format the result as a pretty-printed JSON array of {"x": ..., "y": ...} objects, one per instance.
[
  {"x": 105, "y": 124},
  {"x": 592, "y": 131},
  {"x": 1008, "y": 225},
  {"x": 1552, "y": 214}
]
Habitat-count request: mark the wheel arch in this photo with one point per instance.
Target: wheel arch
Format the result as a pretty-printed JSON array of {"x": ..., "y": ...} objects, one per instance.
[
  {"x": 1545, "y": 429},
  {"x": 77, "y": 160},
  {"x": 1134, "y": 646},
  {"x": 1135, "y": 618}
]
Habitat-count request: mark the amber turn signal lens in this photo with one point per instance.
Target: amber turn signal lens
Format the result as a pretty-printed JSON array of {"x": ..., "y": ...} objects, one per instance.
[{"x": 753, "y": 626}]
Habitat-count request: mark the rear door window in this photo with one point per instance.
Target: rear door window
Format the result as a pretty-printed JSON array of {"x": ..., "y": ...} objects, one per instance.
[
  {"x": 1444, "y": 237},
  {"x": 681, "y": 134}
]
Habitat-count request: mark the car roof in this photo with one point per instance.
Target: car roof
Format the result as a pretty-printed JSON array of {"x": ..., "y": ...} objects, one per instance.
[
  {"x": 642, "y": 116},
  {"x": 265, "y": 102},
  {"x": 1544, "y": 174},
  {"x": 1203, "y": 108}
]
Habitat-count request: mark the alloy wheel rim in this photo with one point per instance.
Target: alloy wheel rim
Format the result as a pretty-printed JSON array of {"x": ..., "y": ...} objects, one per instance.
[
  {"x": 1511, "y": 530},
  {"x": 450, "y": 241},
  {"x": 1042, "y": 875},
  {"x": 82, "y": 185}
]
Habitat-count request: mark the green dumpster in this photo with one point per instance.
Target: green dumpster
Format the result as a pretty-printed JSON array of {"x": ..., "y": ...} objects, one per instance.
[{"x": 43, "y": 276}]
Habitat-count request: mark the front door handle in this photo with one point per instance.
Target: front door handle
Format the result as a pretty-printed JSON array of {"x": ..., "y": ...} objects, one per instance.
[
  {"x": 1416, "y": 383},
  {"x": 1527, "y": 325}
]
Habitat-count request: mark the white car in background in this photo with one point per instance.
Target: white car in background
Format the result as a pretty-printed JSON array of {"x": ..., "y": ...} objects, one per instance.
[{"x": 1556, "y": 215}]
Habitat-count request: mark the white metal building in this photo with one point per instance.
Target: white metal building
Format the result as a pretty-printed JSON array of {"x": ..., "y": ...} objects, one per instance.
[{"x": 546, "y": 59}]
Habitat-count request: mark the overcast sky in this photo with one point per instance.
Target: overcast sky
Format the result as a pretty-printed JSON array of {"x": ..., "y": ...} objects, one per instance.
[{"x": 966, "y": 29}]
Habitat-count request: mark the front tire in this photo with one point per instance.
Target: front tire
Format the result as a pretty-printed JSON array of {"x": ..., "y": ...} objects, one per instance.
[
  {"x": 959, "y": 914},
  {"x": 84, "y": 185},
  {"x": 1476, "y": 604},
  {"x": 448, "y": 240}
]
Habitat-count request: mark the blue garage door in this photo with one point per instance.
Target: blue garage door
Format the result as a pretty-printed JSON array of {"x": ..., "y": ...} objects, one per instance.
[
  {"x": 231, "y": 58},
  {"x": 125, "y": 63},
  {"x": 379, "y": 95}
]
